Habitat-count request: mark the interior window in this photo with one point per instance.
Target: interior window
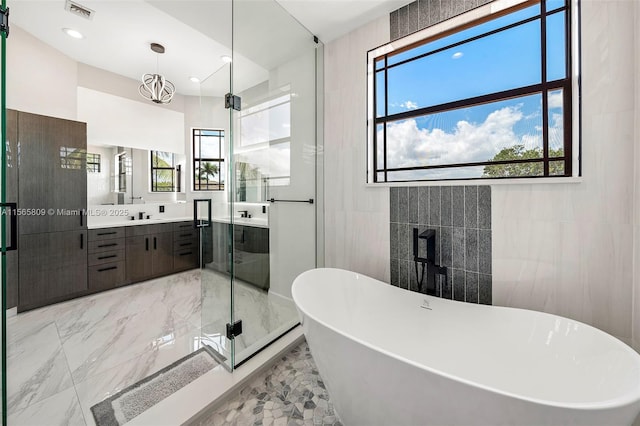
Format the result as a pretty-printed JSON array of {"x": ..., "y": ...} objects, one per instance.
[{"x": 208, "y": 160}]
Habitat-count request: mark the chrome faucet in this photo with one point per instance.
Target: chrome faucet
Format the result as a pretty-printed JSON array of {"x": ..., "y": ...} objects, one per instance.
[{"x": 244, "y": 213}]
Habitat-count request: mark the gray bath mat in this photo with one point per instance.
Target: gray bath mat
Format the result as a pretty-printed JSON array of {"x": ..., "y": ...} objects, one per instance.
[{"x": 133, "y": 400}]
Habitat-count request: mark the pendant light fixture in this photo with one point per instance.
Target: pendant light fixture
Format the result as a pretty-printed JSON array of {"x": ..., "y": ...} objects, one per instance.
[{"x": 155, "y": 87}]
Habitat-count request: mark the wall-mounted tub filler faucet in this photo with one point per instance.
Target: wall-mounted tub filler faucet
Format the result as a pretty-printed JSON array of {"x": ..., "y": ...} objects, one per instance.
[{"x": 432, "y": 269}]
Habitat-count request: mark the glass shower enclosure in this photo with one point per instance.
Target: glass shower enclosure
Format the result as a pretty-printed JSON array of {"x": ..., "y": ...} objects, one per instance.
[{"x": 267, "y": 228}]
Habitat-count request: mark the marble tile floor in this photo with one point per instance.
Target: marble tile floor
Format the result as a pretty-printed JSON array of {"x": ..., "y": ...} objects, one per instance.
[
  {"x": 64, "y": 358},
  {"x": 289, "y": 393}
]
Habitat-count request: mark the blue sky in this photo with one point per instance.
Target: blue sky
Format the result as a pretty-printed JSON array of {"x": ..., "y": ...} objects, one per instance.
[{"x": 491, "y": 64}]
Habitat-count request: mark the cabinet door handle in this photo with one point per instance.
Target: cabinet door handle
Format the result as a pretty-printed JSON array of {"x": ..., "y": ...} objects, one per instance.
[
  {"x": 146, "y": 244},
  {"x": 186, "y": 254},
  {"x": 107, "y": 257},
  {"x": 81, "y": 218},
  {"x": 155, "y": 243},
  {"x": 107, "y": 269},
  {"x": 185, "y": 235},
  {"x": 81, "y": 241},
  {"x": 106, "y": 233},
  {"x": 185, "y": 244},
  {"x": 13, "y": 213},
  {"x": 108, "y": 245}
]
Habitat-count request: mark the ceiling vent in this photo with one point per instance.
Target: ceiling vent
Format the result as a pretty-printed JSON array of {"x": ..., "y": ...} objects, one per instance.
[{"x": 78, "y": 9}]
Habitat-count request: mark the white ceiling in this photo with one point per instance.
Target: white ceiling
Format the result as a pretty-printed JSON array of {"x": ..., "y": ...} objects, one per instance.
[
  {"x": 330, "y": 19},
  {"x": 195, "y": 34}
]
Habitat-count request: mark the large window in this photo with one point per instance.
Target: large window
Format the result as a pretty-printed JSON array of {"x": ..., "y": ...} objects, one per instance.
[
  {"x": 208, "y": 160},
  {"x": 492, "y": 100},
  {"x": 165, "y": 175}
]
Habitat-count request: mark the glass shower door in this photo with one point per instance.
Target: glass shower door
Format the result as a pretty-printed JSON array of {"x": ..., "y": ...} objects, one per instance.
[
  {"x": 4, "y": 231},
  {"x": 274, "y": 169},
  {"x": 211, "y": 154}
]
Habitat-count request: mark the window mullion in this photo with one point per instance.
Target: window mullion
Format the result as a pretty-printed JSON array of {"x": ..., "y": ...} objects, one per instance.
[
  {"x": 386, "y": 114},
  {"x": 545, "y": 93}
]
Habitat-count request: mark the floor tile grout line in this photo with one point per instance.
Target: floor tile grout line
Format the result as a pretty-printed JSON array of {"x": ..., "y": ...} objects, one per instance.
[{"x": 73, "y": 380}]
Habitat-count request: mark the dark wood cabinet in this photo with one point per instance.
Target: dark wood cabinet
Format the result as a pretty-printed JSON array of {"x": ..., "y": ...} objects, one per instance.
[
  {"x": 52, "y": 174},
  {"x": 106, "y": 259},
  {"x": 149, "y": 251},
  {"x": 162, "y": 254},
  {"x": 48, "y": 180},
  {"x": 186, "y": 246},
  {"x": 250, "y": 255},
  {"x": 12, "y": 196},
  {"x": 138, "y": 264},
  {"x": 53, "y": 267},
  {"x": 220, "y": 245}
]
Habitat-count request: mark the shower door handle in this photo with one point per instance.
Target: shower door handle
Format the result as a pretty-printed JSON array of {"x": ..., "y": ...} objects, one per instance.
[
  {"x": 196, "y": 221},
  {"x": 13, "y": 220}
]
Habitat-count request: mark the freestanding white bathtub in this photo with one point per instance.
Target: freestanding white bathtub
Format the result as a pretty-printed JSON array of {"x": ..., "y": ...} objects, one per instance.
[{"x": 388, "y": 360}]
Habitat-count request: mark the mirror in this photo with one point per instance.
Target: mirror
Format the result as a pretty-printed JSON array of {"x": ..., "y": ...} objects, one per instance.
[{"x": 123, "y": 175}]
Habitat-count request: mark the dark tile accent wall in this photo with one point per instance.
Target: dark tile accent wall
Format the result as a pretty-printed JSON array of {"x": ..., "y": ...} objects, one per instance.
[
  {"x": 461, "y": 217},
  {"x": 424, "y": 13}
]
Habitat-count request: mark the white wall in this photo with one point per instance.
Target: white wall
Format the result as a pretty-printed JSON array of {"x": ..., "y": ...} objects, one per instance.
[
  {"x": 560, "y": 248},
  {"x": 40, "y": 79},
  {"x": 356, "y": 217}
]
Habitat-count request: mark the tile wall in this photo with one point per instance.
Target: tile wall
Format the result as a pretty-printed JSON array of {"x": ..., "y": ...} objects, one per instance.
[
  {"x": 424, "y": 13},
  {"x": 461, "y": 217}
]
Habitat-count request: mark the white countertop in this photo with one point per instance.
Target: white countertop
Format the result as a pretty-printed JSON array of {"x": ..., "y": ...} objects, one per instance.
[{"x": 258, "y": 222}]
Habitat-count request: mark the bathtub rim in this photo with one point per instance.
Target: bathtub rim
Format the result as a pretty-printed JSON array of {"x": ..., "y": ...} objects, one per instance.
[{"x": 625, "y": 400}]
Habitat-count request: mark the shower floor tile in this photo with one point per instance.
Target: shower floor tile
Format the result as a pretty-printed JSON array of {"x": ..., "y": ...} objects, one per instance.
[
  {"x": 64, "y": 358},
  {"x": 289, "y": 393}
]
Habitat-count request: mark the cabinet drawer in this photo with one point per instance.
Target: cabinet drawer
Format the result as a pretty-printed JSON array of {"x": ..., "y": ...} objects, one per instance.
[
  {"x": 183, "y": 226},
  {"x": 185, "y": 244},
  {"x": 186, "y": 259},
  {"x": 186, "y": 234},
  {"x": 105, "y": 234},
  {"x": 109, "y": 275},
  {"x": 136, "y": 230},
  {"x": 106, "y": 245},
  {"x": 106, "y": 257}
]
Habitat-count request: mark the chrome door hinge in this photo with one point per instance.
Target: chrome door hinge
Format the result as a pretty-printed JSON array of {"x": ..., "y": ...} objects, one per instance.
[
  {"x": 232, "y": 101},
  {"x": 4, "y": 21},
  {"x": 234, "y": 330}
]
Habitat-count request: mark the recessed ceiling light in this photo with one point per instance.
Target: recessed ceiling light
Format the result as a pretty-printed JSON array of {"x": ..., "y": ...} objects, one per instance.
[
  {"x": 226, "y": 59},
  {"x": 194, "y": 79},
  {"x": 72, "y": 33},
  {"x": 457, "y": 55}
]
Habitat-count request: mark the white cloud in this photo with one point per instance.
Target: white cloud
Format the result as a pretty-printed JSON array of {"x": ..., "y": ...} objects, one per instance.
[
  {"x": 555, "y": 100},
  {"x": 409, "y": 105},
  {"x": 408, "y": 145}
]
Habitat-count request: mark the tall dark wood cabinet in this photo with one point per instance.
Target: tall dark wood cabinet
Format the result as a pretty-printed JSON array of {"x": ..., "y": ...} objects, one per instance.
[
  {"x": 52, "y": 173},
  {"x": 12, "y": 196},
  {"x": 52, "y": 198},
  {"x": 51, "y": 267}
]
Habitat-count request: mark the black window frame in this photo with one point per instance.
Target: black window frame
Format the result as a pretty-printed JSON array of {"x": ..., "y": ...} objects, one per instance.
[
  {"x": 196, "y": 135},
  {"x": 93, "y": 162},
  {"x": 543, "y": 88},
  {"x": 175, "y": 179}
]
